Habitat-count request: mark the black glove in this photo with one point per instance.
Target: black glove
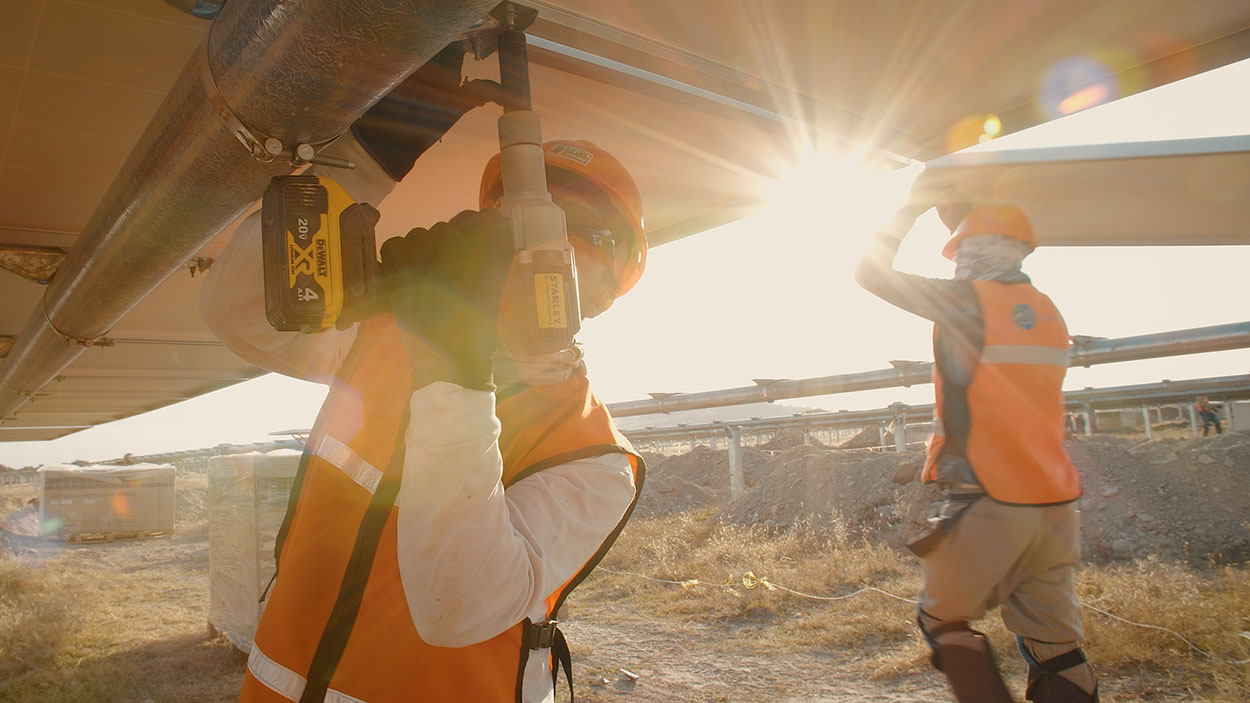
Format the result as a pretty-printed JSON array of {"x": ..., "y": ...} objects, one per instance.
[
  {"x": 418, "y": 112},
  {"x": 444, "y": 285}
]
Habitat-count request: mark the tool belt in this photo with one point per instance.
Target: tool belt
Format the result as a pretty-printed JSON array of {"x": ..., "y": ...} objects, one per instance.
[{"x": 939, "y": 525}]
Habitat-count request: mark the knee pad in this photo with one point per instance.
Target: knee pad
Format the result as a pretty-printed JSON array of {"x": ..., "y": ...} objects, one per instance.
[
  {"x": 1047, "y": 684},
  {"x": 967, "y": 659}
]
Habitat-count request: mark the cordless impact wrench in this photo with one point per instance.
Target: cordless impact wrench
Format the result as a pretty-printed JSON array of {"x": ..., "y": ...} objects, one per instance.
[{"x": 319, "y": 248}]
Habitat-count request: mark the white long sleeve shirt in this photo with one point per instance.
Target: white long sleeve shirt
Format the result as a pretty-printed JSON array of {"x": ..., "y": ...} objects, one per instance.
[{"x": 498, "y": 555}]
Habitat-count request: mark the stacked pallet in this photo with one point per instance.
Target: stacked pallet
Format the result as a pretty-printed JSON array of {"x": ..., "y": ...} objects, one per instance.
[
  {"x": 247, "y": 499},
  {"x": 104, "y": 503}
]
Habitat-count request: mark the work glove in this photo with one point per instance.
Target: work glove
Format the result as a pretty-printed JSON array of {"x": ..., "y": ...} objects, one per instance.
[
  {"x": 418, "y": 112},
  {"x": 444, "y": 285}
]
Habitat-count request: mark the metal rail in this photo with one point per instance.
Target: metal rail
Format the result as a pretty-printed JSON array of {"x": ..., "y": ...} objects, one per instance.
[
  {"x": 1162, "y": 393},
  {"x": 1087, "y": 352},
  {"x": 219, "y": 450}
]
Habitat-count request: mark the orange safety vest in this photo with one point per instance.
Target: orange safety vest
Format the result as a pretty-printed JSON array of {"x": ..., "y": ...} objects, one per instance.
[
  {"x": 1012, "y": 422},
  {"x": 337, "y": 626}
]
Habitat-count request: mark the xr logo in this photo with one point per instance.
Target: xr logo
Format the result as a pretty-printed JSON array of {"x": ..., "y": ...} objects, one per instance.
[{"x": 301, "y": 260}]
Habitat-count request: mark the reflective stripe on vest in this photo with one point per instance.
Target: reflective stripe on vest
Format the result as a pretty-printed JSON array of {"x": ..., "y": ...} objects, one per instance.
[
  {"x": 359, "y": 430},
  {"x": 1010, "y": 415},
  {"x": 1024, "y": 354},
  {"x": 278, "y": 678},
  {"x": 349, "y": 462}
]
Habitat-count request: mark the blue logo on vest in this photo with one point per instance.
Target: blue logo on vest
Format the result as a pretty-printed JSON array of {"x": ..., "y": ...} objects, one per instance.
[{"x": 1023, "y": 316}]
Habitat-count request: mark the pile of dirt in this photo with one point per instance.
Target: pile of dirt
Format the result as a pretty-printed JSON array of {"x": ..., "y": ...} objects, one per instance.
[
  {"x": 871, "y": 492},
  {"x": 868, "y": 438},
  {"x": 1178, "y": 498},
  {"x": 696, "y": 480},
  {"x": 787, "y": 439}
]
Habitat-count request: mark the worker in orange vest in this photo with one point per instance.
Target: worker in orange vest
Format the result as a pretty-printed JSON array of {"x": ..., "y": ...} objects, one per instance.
[
  {"x": 1206, "y": 411},
  {"x": 1008, "y": 533},
  {"x": 452, "y": 493}
]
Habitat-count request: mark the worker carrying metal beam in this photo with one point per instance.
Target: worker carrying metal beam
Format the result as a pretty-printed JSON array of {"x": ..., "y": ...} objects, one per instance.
[
  {"x": 455, "y": 488},
  {"x": 1008, "y": 533}
]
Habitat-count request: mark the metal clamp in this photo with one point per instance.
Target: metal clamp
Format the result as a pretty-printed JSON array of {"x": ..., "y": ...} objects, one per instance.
[
  {"x": 91, "y": 342},
  {"x": 540, "y": 635},
  {"x": 70, "y": 340},
  {"x": 262, "y": 147}
]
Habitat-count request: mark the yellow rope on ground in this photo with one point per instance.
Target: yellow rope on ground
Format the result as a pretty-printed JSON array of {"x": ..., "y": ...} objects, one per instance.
[{"x": 751, "y": 581}]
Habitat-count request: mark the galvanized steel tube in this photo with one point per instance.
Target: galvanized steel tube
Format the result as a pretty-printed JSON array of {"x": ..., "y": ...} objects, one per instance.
[
  {"x": 1097, "y": 351},
  {"x": 299, "y": 72},
  {"x": 1197, "y": 340},
  {"x": 1087, "y": 399}
]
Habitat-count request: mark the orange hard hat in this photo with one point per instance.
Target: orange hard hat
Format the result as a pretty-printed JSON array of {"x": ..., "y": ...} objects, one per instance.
[
  {"x": 597, "y": 179},
  {"x": 1002, "y": 220}
]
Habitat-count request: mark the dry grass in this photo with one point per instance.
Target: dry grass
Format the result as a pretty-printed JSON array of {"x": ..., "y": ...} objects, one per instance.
[
  {"x": 110, "y": 622},
  {"x": 878, "y": 633},
  {"x": 126, "y": 621}
]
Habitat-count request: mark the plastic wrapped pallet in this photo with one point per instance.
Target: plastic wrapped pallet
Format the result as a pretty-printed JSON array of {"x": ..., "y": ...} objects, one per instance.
[
  {"x": 105, "y": 501},
  {"x": 247, "y": 498}
]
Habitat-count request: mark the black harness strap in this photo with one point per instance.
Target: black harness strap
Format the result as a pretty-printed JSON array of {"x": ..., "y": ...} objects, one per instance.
[
  {"x": 343, "y": 616},
  {"x": 298, "y": 483},
  {"x": 547, "y": 635},
  {"x": 563, "y": 658}
]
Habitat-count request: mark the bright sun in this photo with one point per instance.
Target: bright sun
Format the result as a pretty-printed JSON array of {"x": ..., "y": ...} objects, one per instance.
[{"x": 845, "y": 194}]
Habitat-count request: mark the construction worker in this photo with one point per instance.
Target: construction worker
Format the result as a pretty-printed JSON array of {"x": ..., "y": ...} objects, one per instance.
[
  {"x": 1008, "y": 533},
  {"x": 451, "y": 494},
  {"x": 1207, "y": 412}
]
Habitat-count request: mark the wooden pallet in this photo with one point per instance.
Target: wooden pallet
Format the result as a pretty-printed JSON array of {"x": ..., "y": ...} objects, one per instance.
[{"x": 89, "y": 537}]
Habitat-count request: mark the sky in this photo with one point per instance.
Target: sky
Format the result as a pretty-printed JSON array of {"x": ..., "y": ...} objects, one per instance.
[{"x": 772, "y": 296}]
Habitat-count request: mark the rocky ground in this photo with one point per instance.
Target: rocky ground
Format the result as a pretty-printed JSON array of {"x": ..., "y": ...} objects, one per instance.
[
  {"x": 1176, "y": 498},
  {"x": 132, "y": 614}
]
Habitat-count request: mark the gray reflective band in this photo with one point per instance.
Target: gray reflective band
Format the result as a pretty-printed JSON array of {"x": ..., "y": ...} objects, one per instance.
[
  {"x": 1024, "y": 354},
  {"x": 349, "y": 462},
  {"x": 281, "y": 680},
  {"x": 333, "y": 696}
]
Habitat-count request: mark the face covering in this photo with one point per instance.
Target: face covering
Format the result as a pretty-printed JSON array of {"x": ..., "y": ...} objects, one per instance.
[{"x": 987, "y": 257}]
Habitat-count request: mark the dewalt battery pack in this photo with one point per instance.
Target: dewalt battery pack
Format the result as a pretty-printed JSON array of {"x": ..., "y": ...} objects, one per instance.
[{"x": 319, "y": 254}]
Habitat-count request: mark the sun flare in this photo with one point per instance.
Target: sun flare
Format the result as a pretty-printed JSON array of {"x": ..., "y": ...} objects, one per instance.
[{"x": 846, "y": 194}]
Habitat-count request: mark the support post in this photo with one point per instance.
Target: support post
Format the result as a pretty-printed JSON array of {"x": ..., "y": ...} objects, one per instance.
[
  {"x": 1089, "y": 420},
  {"x": 735, "y": 462},
  {"x": 900, "y": 426},
  {"x": 1145, "y": 418}
]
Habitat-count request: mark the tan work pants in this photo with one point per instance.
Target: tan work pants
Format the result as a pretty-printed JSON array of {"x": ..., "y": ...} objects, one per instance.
[{"x": 1021, "y": 558}]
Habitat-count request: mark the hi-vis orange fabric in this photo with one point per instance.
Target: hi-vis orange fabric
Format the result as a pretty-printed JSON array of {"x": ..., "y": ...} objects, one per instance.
[
  {"x": 355, "y": 459},
  {"x": 1014, "y": 441}
]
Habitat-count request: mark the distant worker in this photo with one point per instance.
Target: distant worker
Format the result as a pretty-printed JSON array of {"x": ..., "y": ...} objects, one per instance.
[
  {"x": 1209, "y": 416},
  {"x": 451, "y": 494},
  {"x": 1008, "y": 533}
]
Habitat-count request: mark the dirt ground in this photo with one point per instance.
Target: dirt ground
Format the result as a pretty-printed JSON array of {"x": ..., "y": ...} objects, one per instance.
[
  {"x": 1172, "y": 497},
  {"x": 126, "y": 621}
]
